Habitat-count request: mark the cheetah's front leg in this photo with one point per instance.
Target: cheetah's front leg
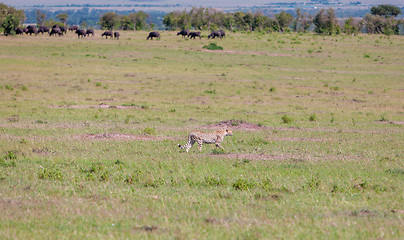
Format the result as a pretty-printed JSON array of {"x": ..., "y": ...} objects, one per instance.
[
  {"x": 200, "y": 146},
  {"x": 218, "y": 145}
]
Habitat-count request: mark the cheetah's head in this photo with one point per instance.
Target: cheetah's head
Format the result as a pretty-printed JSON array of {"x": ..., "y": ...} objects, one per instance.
[{"x": 229, "y": 132}]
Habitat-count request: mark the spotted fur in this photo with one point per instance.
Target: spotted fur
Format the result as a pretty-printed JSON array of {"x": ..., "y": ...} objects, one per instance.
[{"x": 198, "y": 137}]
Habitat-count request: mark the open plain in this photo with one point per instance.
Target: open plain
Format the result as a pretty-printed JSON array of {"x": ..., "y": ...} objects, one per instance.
[{"x": 89, "y": 131}]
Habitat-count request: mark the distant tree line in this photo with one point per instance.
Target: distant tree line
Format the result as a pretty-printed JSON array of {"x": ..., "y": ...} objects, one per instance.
[
  {"x": 86, "y": 17},
  {"x": 132, "y": 21},
  {"x": 382, "y": 19}
]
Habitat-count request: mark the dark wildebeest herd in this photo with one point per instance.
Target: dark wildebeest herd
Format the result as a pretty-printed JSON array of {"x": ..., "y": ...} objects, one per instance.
[
  {"x": 61, "y": 30},
  {"x": 81, "y": 33}
]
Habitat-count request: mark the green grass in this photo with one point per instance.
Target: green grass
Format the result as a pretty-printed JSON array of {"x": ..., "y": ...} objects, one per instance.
[{"x": 89, "y": 131}]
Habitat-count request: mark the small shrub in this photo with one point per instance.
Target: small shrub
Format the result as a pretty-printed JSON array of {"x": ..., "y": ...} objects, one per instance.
[
  {"x": 213, "y": 46},
  {"x": 212, "y": 181},
  {"x": 52, "y": 174},
  {"x": 24, "y": 88},
  {"x": 6, "y": 163},
  {"x": 245, "y": 161},
  {"x": 313, "y": 117},
  {"x": 118, "y": 162},
  {"x": 243, "y": 184},
  {"x": 366, "y": 55},
  {"x": 335, "y": 88},
  {"x": 154, "y": 183},
  {"x": 267, "y": 184},
  {"x": 104, "y": 176},
  {"x": 313, "y": 183},
  {"x": 235, "y": 123},
  {"x": 217, "y": 151},
  {"x": 149, "y": 131},
  {"x": 286, "y": 119},
  {"x": 272, "y": 89},
  {"x": 41, "y": 122},
  {"x": 209, "y": 91},
  {"x": 383, "y": 118},
  {"x": 98, "y": 84},
  {"x": 10, "y": 155},
  {"x": 8, "y": 87}
]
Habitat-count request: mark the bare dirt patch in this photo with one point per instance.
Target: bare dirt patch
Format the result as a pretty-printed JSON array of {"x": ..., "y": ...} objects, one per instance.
[
  {"x": 123, "y": 136},
  {"x": 235, "y": 124},
  {"x": 282, "y": 156},
  {"x": 102, "y": 105},
  {"x": 259, "y": 53},
  {"x": 260, "y": 156},
  {"x": 392, "y": 122},
  {"x": 289, "y": 139}
]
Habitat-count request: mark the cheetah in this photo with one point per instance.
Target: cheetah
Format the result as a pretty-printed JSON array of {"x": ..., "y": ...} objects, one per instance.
[{"x": 215, "y": 137}]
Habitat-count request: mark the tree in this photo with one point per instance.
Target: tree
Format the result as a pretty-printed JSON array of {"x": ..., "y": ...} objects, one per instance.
[
  {"x": 63, "y": 17},
  {"x": 381, "y": 25},
  {"x": 125, "y": 23},
  {"x": 326, "y": 22},
  {"x": 385, "y": 10},
  {"x": 140, "y": 20},
  {"x": 302, "y": 21},
  {"x": 284, "y": 20},
  {"x": 10, "y": 18},
  {"x": 351, "y": 26},
  {"x": 10, "y": 23},
  {"x": 40, "y": 17},
  {"x": 108, "y": 20}
]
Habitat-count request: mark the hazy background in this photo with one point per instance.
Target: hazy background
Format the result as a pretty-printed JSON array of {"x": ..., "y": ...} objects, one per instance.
[{"x": 185, "y": 3}]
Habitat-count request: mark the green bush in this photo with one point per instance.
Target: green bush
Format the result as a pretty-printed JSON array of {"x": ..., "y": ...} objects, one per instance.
[
  {"x": 286, "y": 119},
  {"x": 243, "y": 184},
  {"x": 313, "y": 117},
  {"x": 213, "y": 46}
]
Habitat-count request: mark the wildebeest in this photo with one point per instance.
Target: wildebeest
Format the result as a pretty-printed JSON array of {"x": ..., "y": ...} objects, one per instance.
[
  {"x": 31, "y": 27},
  {"x": 194, "y": 34},
  {"x": 183, "y": 33},
  {"x": 116, "y": 35},
  {"x": 106, "y": 34},
  {"x": 223, "y": 33},
  {"x": 152, "y": 35},
  {"x": 90, "y": 31},
  {"x": 73, "y": 28},
  {"x": 215, "y": 34},
  {"x": 80, "y": 33},
  {"x": 63, "y": 29},
  {"x": 19, "y": 31},
  {"x": 43, "y": 29},
  {"x": 32, "y": 30},
  {"x": 55, "y": 30}
]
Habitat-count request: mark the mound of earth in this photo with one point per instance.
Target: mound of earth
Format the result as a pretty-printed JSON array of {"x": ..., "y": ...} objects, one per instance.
[
  {"x": 235, "y": 124},
  {"x": 122, "y": 136}
]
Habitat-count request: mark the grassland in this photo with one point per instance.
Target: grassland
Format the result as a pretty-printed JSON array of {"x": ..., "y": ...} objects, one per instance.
[{"x": 89, "y": 131}]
